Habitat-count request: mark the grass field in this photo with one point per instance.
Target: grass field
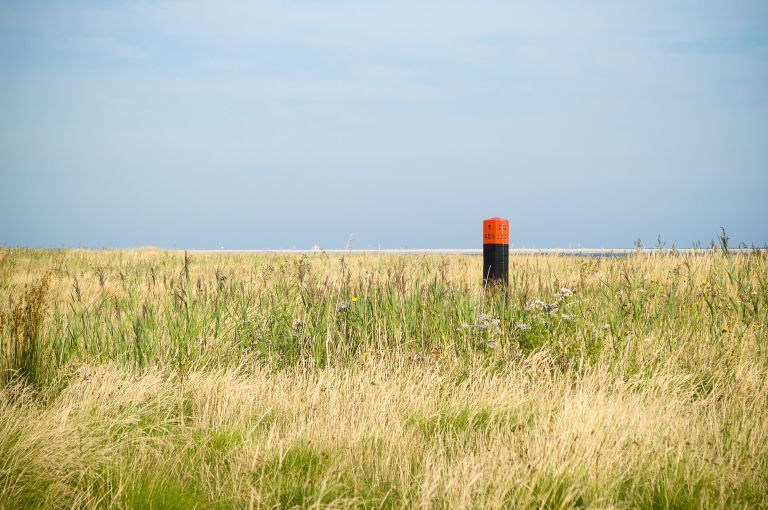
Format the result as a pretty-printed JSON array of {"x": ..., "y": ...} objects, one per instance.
[{"x": 154, "y": 379}]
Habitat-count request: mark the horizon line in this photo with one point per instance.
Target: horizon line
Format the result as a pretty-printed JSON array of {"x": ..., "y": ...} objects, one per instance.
[{"x": 406, "y": 251}]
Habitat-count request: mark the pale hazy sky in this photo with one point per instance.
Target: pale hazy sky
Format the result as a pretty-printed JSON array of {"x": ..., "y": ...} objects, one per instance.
[{"x": 283, "y": 124}]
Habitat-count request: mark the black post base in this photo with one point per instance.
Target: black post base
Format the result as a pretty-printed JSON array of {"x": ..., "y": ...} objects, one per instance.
[{"x": 496, "y": 263}]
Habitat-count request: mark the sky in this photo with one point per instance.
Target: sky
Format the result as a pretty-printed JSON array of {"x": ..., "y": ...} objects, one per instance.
[{"x": 202, "y": 124}]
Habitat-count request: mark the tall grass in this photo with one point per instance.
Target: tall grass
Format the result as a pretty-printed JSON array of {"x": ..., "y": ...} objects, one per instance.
[
  {"x": 22, "y": 353},
  {"x": 151, "y": 379}
]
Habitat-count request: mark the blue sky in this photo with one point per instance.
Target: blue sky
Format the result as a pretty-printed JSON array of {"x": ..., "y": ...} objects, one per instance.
[{"x": 284, "y": 124}]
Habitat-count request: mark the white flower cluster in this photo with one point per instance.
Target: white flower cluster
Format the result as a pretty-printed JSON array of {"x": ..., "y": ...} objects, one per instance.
[
  {"x": 551, "y": 308},
  {"x": 547, "y": 309},
  {"x": 484, "y": 322}
]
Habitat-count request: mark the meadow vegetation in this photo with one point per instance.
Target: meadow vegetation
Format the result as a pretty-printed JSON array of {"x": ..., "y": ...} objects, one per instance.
[{"x": 159, "y": 379}]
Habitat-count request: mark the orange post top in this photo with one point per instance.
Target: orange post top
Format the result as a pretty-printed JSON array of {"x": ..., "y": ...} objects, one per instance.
[{"x": 495, "y": 231}]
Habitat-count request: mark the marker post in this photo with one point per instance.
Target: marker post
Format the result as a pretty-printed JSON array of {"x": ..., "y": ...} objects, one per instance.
[{"x": 496, "y": 251}]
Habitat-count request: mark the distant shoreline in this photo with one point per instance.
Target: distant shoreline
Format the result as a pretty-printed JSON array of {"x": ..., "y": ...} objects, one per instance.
[
  {"x": 577, "y": 252},
  {"x": 594, "y": 252}
]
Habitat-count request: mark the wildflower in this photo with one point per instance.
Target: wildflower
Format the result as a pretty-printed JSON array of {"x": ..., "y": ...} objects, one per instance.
[
  {"x": 565, "y": 292},
  {"x": 606, "y": 326},
  {"x": 298, "y": 324},
  {"x": 496, "y": 326},
  {"x": 536, "y": 304},
  {"x": 354, "y": 299},
  {"x": 522, "y": 326},
  {"x": 704, "y": 283},
  {"x": 342, "y": 306},
  {"x": 566, "y": 316},
  {"x": 484, "y": 322},
  {"x": 725, "y": 329}
]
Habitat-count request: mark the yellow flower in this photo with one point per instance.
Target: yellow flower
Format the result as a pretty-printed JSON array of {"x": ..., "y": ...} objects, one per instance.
[
  {"x": 725, "y": 329},
  {"x": 354, "y": 299},
  {"x": 704, "y": 282}
]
